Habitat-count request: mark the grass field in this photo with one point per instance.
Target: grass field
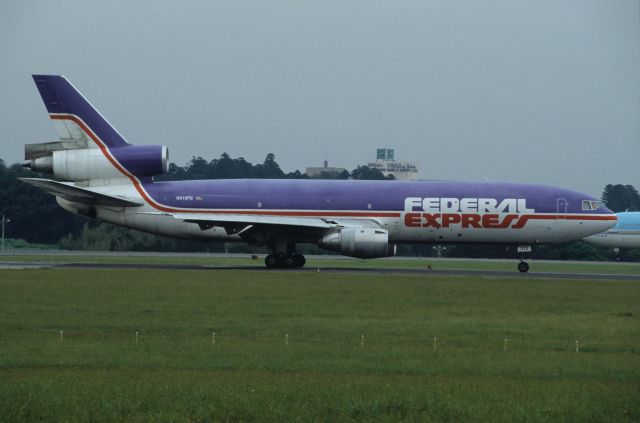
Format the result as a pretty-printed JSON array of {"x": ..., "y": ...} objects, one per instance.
[{"x": 290, "y": 347}]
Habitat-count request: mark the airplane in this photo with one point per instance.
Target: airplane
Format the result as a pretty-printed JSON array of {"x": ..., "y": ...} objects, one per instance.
[
  {"x": 113, "y": 180},
  {"x": 625, "y": 234}
]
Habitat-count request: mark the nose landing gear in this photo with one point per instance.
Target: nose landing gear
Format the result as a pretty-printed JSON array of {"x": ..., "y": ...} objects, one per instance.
[
  {"x": 523, "y": 250},
  {"x": 523, "y": 267}
]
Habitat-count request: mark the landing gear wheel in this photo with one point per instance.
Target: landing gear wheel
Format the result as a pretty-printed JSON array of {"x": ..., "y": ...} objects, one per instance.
[
  {"x": 294, "y": 260},
  {"x": 289, "y": 261},
  {"x": 284, "y": 261},
  {"x": 270, "y": 261},
  {"x": 523, "y": 267},
  {"x": 299, "y": 260},
  {"x": 281, "y": 260}
]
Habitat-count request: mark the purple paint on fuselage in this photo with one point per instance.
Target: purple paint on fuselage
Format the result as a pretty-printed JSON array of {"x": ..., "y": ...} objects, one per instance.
[{"x": 282, "y": 194}]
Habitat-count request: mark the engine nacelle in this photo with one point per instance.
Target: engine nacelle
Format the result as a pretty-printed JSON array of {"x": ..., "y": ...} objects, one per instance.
[
  {"x": 359, "y": 242},
  {"x": 91, "y": 163}
]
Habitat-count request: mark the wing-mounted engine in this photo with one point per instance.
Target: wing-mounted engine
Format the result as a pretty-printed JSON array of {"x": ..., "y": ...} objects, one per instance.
[
  {"x": 359, "y": 242},
  {"x": 73, "y": 161}
]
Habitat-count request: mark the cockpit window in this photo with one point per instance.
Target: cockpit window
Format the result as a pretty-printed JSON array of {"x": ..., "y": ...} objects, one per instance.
[{"x": 590, "y": 205}]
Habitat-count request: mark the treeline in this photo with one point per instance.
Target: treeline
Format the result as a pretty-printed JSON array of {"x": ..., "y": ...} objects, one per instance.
[
  {"x": 229, "y": 168},
  {"x": 37, "y": 219},
  {"x": 35, "y": 216}
]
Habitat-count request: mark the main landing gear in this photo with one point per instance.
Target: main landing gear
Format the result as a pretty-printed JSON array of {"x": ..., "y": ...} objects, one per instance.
[
  {"x": 284, "y": 260},
  {"x": 284, "y": 255},
  {"x": 523, "y": 266}
]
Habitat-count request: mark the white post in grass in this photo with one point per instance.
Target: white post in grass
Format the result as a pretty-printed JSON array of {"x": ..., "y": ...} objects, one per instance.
[
  {"x": 213, "y": 338},
  {"x": 362, "y": 340},
  {"x": 286, "y": 339},
  {"x": 577, "y": 347},
  {"x": 435, "y": 343},
  {"x": 505, "y": 344},
  {"x": 60, "y": 336},
  {"x": 136, "y": 337}
]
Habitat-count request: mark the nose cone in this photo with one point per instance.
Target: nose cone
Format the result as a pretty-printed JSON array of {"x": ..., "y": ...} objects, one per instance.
[
  {"x": 603, "y": 238},
  {"x": 609, "y": 218}
]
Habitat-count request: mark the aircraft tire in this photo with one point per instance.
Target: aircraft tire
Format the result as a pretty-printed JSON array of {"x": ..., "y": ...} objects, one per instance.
[
  {"x": 270, "y": 261},
  {"x": 523, "y": 267},
  {"x": 281, "y": 260},
  {"x": 299, "y": 260}
]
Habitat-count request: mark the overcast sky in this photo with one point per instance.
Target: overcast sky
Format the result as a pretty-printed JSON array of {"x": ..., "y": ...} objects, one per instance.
[{"x": 529, "y": 91}]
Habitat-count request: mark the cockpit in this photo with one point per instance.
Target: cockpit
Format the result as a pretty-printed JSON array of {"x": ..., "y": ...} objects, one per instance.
[{"x": 588, "y": 205}]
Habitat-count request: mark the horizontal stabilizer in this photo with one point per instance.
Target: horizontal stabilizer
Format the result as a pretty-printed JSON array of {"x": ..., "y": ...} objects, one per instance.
[
  {"x": 43, "y": 149},
  {"x": 75, "y": 194}
]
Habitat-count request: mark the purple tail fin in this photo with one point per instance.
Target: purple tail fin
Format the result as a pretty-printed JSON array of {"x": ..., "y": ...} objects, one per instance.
[{"x": 64, "y": 101}]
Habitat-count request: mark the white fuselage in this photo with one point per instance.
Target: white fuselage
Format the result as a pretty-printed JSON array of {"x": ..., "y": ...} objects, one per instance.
[{"x": 407, "y": 227}]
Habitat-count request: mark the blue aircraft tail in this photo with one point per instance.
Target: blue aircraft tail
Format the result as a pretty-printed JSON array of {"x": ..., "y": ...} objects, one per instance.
[{"x": 64, "y": 102}]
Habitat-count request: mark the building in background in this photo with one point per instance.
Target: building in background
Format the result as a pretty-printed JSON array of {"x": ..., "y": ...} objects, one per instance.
[
  {"x": 388, "y": 165},
  {"x": 324, "y": 171}
]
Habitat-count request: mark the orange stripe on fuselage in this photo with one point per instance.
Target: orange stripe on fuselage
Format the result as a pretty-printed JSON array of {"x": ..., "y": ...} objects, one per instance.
[{"x": 525, "y": 218}]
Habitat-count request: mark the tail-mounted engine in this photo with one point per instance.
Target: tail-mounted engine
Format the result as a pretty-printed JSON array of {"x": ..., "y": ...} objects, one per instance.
[
  {"x": 56, "y": 158},
  {"x": 359, "y": 242}
]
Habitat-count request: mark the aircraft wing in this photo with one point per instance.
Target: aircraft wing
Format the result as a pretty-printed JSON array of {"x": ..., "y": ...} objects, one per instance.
[
  {"x": 237, "y": 222},
  {"x": 70, "y": 192},
  {"x": 249, "y": 219}
]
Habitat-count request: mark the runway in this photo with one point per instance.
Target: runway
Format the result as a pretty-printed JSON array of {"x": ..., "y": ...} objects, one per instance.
[{"x": 331, "y": 270}]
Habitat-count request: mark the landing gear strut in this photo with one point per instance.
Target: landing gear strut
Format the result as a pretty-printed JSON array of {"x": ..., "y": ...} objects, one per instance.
[
  {"x": 284, "y": 260},
  {"x": 523, "y": 266},
  {"x": 523, "y": 250}
]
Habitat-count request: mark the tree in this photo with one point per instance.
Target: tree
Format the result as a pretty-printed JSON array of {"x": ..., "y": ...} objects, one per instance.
[
  {"x": 269, "y": 169},
  {"x": 621, "y": 198},
  {"x": 174, "y": 172},
  {"x": 344, "y": 175},
  {"x": 574, "y": 250},
  {"x": 227, "y": 168},
  {"x": 365, "y": 172},
  {"x": 35, "y": 215},
  {"x": 296, "y": 175},
  {"x": 198, "y": 168}
]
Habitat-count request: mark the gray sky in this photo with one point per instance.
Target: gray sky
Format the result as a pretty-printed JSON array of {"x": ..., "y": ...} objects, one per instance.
[{"x": 528, "y": 91}]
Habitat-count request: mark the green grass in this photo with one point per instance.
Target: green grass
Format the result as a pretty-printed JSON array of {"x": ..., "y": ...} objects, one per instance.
[
  {"x": 396, "y": 263},
  {"x": 98, "y": 372}
]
